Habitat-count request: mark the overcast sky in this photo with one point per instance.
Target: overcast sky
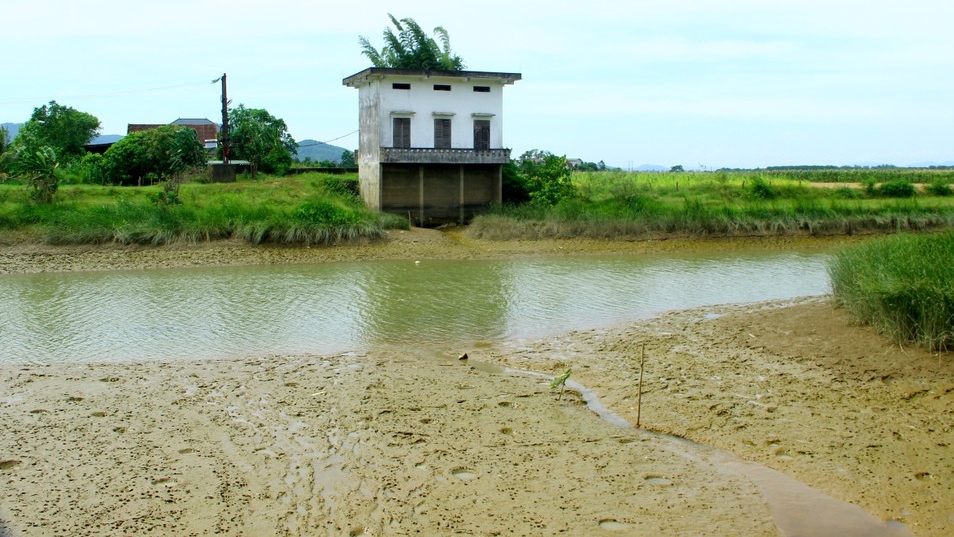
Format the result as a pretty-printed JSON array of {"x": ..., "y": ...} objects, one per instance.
[{"x": 721, "y": 83}]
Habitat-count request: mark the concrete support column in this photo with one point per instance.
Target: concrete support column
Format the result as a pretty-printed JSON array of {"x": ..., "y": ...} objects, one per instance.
[
  {"x": 420, "y": 202},
  {"x": 462, "y": 200}
]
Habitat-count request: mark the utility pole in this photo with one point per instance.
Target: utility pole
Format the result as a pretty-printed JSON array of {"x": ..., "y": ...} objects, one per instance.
[{"x": 226, "y": 147}]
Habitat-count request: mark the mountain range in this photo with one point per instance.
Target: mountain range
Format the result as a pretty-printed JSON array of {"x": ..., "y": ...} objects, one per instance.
[{"x": 318, "y": 151}]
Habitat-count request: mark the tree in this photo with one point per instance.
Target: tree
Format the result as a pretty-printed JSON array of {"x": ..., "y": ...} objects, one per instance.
[
  {"x": 411, "y": 48},
  {"x": 347, "y": 160},
  {"x": 546, "y": 176},
  {"x": 152, "y": 155},
  {"x": 60, "y": 127},
  {"x": 262, "y": 139},
  {"x": 4, "y": 140},
  {"x": 677, "y": 169}
]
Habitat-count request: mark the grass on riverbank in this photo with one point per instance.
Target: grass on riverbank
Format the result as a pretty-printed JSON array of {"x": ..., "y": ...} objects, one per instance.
[
  {"x": 615, "y": 204},
  {"x": 902, "y": 285},
  {"x": 306, "y": 209},
  {"x": 323, "y": 209}
]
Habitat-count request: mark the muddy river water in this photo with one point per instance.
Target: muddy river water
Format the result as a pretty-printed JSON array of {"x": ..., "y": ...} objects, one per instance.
[{"x": 211, "y": 313}]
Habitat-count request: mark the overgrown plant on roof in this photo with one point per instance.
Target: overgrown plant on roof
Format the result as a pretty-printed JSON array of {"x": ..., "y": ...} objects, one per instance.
[{"x": 412, "y": 48}]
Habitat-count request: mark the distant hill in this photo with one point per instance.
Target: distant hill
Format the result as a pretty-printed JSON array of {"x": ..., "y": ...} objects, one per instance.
[
  {"x": 318, "y": 151},
  {"x": 12, "y": 130},
  {"x": 106, "y": 139}
]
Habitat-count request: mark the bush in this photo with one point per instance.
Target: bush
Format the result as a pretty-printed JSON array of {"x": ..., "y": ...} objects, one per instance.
[
  {"x": 761, "y": 189},
  {"x": 897, "y": 188},
  {"x": 939, "y": 188}
]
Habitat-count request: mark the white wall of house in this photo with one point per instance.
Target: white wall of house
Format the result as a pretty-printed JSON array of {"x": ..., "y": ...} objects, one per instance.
[{"x": 422, "y": 103}]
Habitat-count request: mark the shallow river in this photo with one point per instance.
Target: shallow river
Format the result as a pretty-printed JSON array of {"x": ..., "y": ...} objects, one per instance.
[{"x": 326, "y": 308}]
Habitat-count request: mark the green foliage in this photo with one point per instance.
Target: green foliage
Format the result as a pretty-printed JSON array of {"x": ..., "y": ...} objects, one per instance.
[
  {"x": 677, "y": 169},
  {"x": 897, "y": 188},
  {"x": 341, "y": 185},
  {"x": 4, "y": 140},
  {"x": 614, "y": 204},
  {"x": 939, "y": 188},
  {"x": 149, "y": 156},
  {"x": 298, "y": 210},
  {"x": 411, "y": 48},
  {"x": 262, "y": 139},
  {"x": 325, "y": 213},
  {"x": 59, "y": 127},
  {"x": 38, "y": 167},
  {"x": 902, "y": 285},
  {"x": 514, "y": 186},
  {"x": 546, "y": 177},
  {"x": 759, "y": 188},
  {"x": 347, "y": 160}
]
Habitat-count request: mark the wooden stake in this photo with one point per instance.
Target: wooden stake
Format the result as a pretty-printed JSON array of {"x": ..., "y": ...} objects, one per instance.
[{"x": 639, "y": 392}]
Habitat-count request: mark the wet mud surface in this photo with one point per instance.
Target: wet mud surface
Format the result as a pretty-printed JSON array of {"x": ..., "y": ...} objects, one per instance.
[{"x": 405, "y": 441}]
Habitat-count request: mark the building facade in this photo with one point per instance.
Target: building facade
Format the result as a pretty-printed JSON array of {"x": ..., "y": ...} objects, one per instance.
[{"x": 431, "y": 142}]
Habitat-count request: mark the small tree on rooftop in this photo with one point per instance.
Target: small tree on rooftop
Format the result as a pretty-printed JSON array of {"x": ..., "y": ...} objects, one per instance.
[{"x": 412, "y": 48}]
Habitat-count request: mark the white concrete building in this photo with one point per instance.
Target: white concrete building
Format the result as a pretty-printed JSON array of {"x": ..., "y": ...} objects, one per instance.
[{"x": 431, "y": 142}]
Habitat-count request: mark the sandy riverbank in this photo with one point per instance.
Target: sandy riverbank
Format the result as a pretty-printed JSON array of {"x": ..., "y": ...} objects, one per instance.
[{"x": 394, "y": 442}]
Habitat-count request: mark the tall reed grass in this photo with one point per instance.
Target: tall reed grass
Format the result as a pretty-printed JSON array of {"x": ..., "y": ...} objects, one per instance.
[{"x": 902, "y": 285}]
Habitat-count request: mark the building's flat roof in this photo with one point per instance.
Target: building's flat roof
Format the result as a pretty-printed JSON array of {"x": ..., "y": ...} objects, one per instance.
[{"x": 378, "y": 73}]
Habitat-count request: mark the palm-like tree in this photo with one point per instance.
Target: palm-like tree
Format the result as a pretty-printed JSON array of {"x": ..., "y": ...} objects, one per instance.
[{"x": 412, "y": 48}]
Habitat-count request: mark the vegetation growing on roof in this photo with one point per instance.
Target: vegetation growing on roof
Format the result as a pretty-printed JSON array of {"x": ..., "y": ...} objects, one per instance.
[{"x": 412, "y": 48}]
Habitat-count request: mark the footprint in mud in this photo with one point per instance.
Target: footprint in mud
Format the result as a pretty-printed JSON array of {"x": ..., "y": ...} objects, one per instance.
[
  {"x": 8, "y": 464},
  {"x": 611, "y": 524},
  {"x": 74, "y": 399},
  {"x": 657, "y": 480},
  {"x": 506, "y": 430},
  {"x": 462, "y": 472},
  {"x": 781, "y": 452},
  {"x": 924, "y": 476},
  {"x": 98, "y": 414}
]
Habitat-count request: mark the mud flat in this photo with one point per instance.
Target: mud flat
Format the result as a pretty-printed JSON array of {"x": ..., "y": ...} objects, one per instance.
[{"x": 403, "y": 441}]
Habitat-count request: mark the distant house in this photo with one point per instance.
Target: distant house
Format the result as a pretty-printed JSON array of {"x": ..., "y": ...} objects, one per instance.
[
  {"x": 431, "y": 142},
  {"x": 206, "y": 130}
]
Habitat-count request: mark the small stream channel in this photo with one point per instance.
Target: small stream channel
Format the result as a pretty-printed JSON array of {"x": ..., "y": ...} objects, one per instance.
[{"x": 797, "y": 509}]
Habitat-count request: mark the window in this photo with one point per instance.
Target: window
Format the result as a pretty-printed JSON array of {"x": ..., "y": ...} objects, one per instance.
[
  {"x": 442, "y": 133},
  {"x": 482, "y": 89},
  {"x": 402, "y": 131},
  {"x": 442, "y": 87},
  {"x": 401, "y": 85},
  {"x": 481, "y": 134}
]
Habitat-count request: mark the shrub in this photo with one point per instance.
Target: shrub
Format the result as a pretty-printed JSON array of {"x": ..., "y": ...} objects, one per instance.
[
  {"x": 897, "y": 188},
  {"x": 761, "y": 189},
  {"x": 939, "y": 188}
]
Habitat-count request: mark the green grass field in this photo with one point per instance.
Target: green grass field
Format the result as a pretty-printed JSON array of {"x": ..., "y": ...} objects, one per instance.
[{"x": 322, "y": 209}]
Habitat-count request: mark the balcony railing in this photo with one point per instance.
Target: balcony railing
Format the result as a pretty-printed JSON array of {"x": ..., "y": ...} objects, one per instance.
[{"x": 397, "y": 155}]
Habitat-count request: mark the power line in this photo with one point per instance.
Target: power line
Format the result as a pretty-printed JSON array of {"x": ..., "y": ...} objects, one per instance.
[{"x": 329, "y": 141}]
